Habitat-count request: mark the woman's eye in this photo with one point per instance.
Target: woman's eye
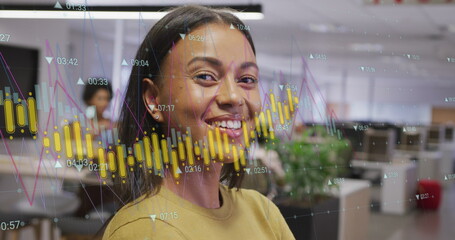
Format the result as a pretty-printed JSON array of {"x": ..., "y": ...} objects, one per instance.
[
  {"x": 205, "y": 77},
  {"x": 247, "y": 80}
]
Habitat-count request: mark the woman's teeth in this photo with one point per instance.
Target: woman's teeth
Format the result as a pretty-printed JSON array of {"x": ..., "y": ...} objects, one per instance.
[{"x": 228, "y": 124}]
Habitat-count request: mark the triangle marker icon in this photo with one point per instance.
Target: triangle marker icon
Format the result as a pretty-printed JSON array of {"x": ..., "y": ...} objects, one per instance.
[
  {"x": 330, "y": 182},
  {"x": 78, "y": 167},
  {"x": 58, "y": 5},
  {"x": 355, "y": 127},
  {"x": 247, "y": 170},
  {"x": 417, "y": 196},
  {"x": 232, "y": 26},
  {"x": 311, "y": 56},
  {"x": 385, "y": 176},
  {"x": 124, "y": 63},
  {"x": 445, "y": 177},
  {"x": 80, "y": 82},
  {"x": 404, "y": 129},
  {"x": 182, "y": 35},
  {"x": 153, "y": 217},
  {"x": 447, "y": 99},
  {"x": 57, "y": 165},
  {"x": 49, "y": 59},
  {"x": 179, "y": 171},
  {"x": 363, "y": 68},
  {"x": 281, "y": 87},
  {"x": 152, "y": 106}
]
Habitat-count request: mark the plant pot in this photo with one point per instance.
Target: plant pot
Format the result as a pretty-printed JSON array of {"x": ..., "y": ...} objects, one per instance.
[{"x": 321, "y": 225}]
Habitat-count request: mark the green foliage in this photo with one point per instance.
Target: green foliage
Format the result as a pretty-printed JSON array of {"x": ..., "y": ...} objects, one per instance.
[{"x": 312, "y": 161}]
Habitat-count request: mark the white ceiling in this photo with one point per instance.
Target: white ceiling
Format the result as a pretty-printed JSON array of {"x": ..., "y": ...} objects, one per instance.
[{"x": 420, "y": 30}]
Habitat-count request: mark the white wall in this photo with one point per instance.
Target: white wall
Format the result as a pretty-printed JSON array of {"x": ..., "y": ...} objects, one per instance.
[{"x": 395, "y": 99}]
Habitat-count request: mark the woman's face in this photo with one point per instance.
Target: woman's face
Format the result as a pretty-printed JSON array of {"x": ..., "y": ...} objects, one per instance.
[
  {"x": 211, "y": 78},
  {"x": 100, "y": 100}
]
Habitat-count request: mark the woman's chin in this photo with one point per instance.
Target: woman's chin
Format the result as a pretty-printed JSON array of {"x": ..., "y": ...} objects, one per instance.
[{"x": 227, "y": 161}]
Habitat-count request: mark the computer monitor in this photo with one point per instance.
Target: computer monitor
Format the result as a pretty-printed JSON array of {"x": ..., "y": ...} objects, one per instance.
[
  {"x": 413, "y": 140},
  {"x": 18, "y": 77},
  {"x": 350, "y": 132},
  {"x": 449, "y": 133},
  {"x": 436, "y": 136},
  {"x": 379, "y": 144}
]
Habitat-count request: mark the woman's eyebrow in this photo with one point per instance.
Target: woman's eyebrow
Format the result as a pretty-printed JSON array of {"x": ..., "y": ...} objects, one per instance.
[
  {"x": 210, "y": 60},
  {"x": 248, "y": 64},
  {"x": 215, "y": 62}
]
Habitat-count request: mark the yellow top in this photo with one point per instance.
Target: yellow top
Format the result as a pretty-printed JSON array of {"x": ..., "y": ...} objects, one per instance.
[{"x": 244, "y": 215}]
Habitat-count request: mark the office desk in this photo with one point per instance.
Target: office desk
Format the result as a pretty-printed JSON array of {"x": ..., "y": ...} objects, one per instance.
[
  {"x": 447, "y": 164},
  {"x": 354, "y": 213},
  {"x": 28, "y": 167},
  {"x": 398, "y": 184},
  {"x": 45, "y": 187},
  {"x": 430, "y": 164}
]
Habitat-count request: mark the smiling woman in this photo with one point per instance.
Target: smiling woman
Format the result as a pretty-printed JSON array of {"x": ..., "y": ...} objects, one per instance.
[{"x": 206, "y": 70}]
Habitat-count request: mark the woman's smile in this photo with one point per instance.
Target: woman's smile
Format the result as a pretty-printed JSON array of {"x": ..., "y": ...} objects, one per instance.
[{"x": 229, "y": 124}]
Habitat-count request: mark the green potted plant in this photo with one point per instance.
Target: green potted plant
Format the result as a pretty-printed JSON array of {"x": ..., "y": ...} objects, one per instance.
[{"x": 313, "y": 164}]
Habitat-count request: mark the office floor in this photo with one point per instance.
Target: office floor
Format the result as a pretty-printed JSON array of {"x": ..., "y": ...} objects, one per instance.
[{"x": 417, "y": 224}]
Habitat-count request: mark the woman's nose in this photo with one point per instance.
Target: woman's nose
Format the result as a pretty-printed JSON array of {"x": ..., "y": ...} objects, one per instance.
[{"x": 229, "y": 93}]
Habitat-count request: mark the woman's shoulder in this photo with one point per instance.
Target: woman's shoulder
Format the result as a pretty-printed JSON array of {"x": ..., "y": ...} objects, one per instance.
[
  {"x": 251, "y": 203},
  {"x": 135, "y": 221},
  {"x": 128, "y": 214},
  {"x": 143, "y": 228},
  {"x": 251, "y": 199}
]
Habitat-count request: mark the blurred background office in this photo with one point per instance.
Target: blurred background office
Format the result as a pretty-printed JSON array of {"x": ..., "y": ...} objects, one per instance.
[{"x": 376, "y": 87}]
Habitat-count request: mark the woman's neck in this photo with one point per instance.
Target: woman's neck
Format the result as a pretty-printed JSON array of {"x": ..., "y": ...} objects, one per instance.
[
  {"x": 200, "y": 188},
  {"x": 100, "y": 117}
]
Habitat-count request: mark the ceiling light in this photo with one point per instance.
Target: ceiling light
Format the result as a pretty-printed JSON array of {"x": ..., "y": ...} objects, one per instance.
[
  {"x": 249, "y": 15},
  {"x": 58, "y": 11},
  {"x": 80, "y": 15},
  {"x": 326, "y": 28}
]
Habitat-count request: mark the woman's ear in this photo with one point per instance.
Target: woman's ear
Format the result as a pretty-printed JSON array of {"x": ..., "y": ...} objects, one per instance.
[{"x": 150, "y": 98}]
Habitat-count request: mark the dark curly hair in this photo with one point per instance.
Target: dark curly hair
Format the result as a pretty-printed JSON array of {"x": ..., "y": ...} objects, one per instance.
[{"x": 159, "y": 40}]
